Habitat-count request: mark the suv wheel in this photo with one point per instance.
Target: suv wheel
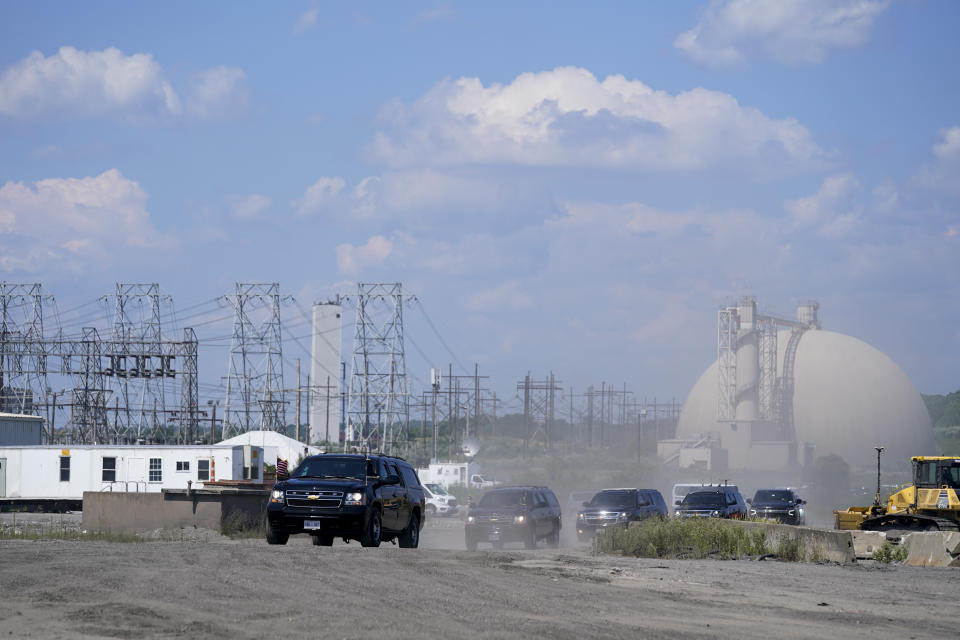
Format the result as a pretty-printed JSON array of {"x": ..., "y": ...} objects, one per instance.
[
  {"x": 553, "y": 540},
  {"x": 530, "y": 538},
  {"x": 322, "y": 541},
  {"x": 274, "y": 537},
  {"x": 374, "y": 530},
  {"x": 410, "y": 537}
]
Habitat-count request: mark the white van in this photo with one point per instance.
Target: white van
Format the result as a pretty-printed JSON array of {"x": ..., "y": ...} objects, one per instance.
[{"x": 439, "y": 502}]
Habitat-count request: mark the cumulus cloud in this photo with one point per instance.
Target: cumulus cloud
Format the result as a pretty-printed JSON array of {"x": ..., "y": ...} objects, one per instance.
[
  {"x": 352, "y": 260},
  {"x": 568, "y": 117},
  {"x": 307, "y": 20},
  {"x": 793, "y": 31},
  {"x": 506, "y": 296},
  {"x": 217, "y": 93},
  {"x": 78, "y": 220},
  {"x": 319, "y": 196},
  {"x": 76, "y": 84},
  {"x": 428, "y": 198},
  {"x": 249, "y": 207},
  {"x": 949, "y": 146},
  {"x": 833, "y": 209}
]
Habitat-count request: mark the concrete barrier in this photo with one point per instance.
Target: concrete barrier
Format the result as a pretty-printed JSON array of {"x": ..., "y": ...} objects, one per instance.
[
  {"x": 813, "y": 544},
  {"x": 218, "y": 510},
  {"x": 866, "y": 542},
  {"x": 933, "y": 549}
]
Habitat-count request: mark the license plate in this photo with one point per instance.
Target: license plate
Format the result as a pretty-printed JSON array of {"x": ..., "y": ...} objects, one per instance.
[
  {"x": 493, "y": 537},
  {"x": 312, "y": 524}
]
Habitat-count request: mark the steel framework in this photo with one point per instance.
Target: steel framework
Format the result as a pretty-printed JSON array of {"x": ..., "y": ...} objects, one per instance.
[
  {"x": 378, "y": 401},
  {"x": 255, "y": 391}
]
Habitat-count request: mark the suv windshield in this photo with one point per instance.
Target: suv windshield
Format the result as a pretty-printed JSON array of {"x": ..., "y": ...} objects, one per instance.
[
  {"x": 703, "y": 499},
  {"x": 436, "y": 489},
  {"x": 329, "y": 467},
  {"x": 614, "y": 499},
  {"x": 501, "y": 499},
  {"x": 774, "y": 495}
]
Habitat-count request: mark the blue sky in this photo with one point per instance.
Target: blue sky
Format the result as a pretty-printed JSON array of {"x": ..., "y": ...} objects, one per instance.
[{"x": 563, "y": 188}]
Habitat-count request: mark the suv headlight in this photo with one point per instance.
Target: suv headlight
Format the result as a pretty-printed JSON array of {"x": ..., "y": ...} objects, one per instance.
[
  {"x": 519, "y": 519},
  {"x": 715, "y": 514},
  {"x": 355, "y": 498},
  {"x": 276, "y": 495},
  {"x": 677, "y": 512},
  {"x": 580, "y": 516},
  {"x": 470, "y": 519}
]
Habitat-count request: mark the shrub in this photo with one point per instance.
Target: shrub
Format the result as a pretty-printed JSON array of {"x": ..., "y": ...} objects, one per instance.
[
  {"x": 888, "y": 553},
  {"x": 690, "y": 538}
]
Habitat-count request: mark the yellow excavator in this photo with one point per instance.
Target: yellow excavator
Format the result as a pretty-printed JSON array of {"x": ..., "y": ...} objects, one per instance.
[{"x": 930, "y": 503}]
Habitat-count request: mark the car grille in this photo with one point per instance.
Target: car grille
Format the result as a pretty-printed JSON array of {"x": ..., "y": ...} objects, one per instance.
[
  {"x": 494, "y": 517},
  {"x": 452, "y": 502},
  {"x": 314, "y": 499},
  {"x": 600, "y": 518}
]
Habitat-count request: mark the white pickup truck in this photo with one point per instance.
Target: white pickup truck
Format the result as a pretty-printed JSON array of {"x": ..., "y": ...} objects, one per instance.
[{"x": 477, "y": 481}]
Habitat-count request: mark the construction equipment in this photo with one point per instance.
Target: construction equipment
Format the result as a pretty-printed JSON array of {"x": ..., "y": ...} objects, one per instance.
[{"x": 930, "y": 503}]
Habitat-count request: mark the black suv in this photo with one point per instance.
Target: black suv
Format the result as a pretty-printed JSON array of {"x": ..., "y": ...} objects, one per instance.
[
  {"x": 368, "y": 498},
  {"x": 613, "y": 507},
  {"x": 514, "y": 514},
  {"x": 715, "y": 502},
  {"x": 782, "y": 505}
]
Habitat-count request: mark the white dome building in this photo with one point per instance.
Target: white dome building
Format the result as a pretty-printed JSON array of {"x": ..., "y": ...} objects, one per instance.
[{"x": 847, "y": 398}]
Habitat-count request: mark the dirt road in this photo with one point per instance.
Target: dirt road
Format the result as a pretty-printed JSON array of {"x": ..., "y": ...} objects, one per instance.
[{"x": 246, "y": 589}]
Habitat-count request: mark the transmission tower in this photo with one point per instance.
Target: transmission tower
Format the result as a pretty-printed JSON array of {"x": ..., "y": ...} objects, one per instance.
[
  {"x": 138, "y": 370},
  {"x": 378, "y": 401},
  {"x": 255, "y": 388},
  {"x": 23, "y": 361}
]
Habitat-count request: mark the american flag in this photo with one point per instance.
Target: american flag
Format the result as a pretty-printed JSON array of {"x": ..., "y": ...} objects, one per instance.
[{"x": 281, "y": 467}]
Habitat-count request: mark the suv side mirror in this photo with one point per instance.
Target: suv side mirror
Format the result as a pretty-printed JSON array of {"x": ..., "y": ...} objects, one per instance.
[
  {"x": 749, "y": 500},
  {"x": 678, "y": 502},
  {"x": 586, "y": 503},
  {"x": 390, "y": 479}
]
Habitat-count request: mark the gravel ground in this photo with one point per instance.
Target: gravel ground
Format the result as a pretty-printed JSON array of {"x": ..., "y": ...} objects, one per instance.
[{"x": 214, "y": 587}]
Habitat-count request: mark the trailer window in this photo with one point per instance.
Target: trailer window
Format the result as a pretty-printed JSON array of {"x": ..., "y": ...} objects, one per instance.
[
  {"x": 156, "y": 470},
  {"x": 109, "y": 470},
  {"x": 203, "y": 469},
  {"x": 64, "y": 468},
  {"x": 183, "y": 465}
]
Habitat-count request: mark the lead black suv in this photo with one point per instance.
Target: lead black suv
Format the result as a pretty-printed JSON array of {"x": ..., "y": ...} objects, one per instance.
[
  {"x": 618, "y": 507},
  {"x": 714, "y": 502},
  {"x": 368, "y": 498},
  {"x": 782, "y": 505},
  {"x": 514, "y": 514}
]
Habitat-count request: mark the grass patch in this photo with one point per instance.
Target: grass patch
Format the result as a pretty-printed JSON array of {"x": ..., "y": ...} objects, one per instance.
[
  {"x": 59, "y": 532},
  {"x": 888, "y": 553},
  {"x": 688, "y": 538},
  {"x": 239, "y": 524}
]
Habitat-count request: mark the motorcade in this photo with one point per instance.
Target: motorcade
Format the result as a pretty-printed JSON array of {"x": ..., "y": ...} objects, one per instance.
[
  {"x": 713, "y": 502},
  {"x": 369, "y": 498},
  {"x": 439, "y": 501},
  {"x": 618, "y": 507},
  {"x": 782, "y": 505},
  {"x": 514, "y": 514}
]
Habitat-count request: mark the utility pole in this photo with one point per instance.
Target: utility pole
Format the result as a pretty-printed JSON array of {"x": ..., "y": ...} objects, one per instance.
[{"x": 298, "y": 400}]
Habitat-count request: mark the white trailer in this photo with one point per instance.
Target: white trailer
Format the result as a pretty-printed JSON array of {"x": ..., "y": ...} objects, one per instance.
[
  {"x": 65, "y": 472},
  {"x": 448, "y": 474}
]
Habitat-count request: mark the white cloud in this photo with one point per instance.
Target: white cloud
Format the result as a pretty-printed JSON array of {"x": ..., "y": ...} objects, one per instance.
[
  {"x": 307, "y": 20},
  {"x": 833, "y": 209},
  {"x": 217, "y": 93},
  {"x": 428, "y": 198},
  {"x": 319, "y": 196},
  {"x": 436, "y": 14},
  {"x": 567, "y": 117},
  {"x": 793, "y": 31},
  {"x": 76, "y": 84},
  {"x": 949, "y": 146},
  {"x": 352, "y": 260},
  {"x": 98, "y": 219},
  {"x": 249, "y": 207},
  {"x": 506, "y": 296}
]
